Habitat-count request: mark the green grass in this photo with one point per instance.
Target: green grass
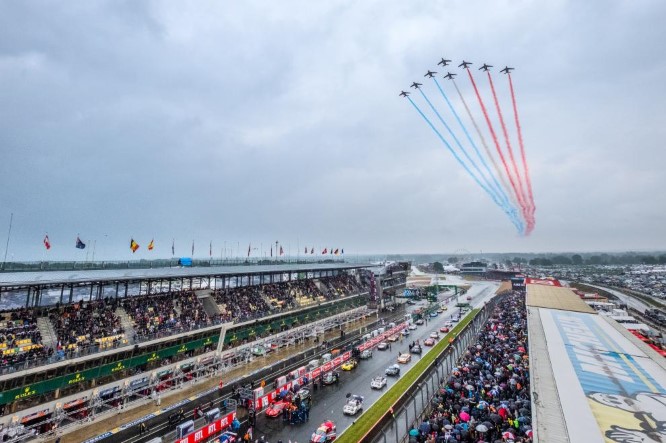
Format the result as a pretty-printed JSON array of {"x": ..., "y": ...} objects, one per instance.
[{"x": 372, "y": 415}]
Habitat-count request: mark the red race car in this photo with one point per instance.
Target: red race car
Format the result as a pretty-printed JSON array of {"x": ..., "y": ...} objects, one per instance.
[{"x": 276, "y": 408}]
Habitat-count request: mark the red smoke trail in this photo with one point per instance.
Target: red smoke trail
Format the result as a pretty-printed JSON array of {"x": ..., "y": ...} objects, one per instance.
[
  {"x": 522, "y": 150},
  {"x": 499, "y": 150},
  {"x": 529, "y": 221}
]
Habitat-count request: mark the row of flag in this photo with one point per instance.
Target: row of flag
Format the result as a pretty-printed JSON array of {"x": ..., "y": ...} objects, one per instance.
[{"x": 134, "y": 246}]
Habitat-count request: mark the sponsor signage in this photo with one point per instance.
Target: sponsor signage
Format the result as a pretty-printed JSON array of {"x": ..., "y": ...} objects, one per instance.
[{"x": 210, "y": 430}]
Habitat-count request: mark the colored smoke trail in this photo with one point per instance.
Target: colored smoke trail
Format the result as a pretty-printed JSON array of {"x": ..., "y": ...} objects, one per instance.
[
  {"x": 499, "y": 150},
  {"x": 465, "y": 153},
  {"x": 522, "y": 150},
  {"x": 485, "y": 146},
  {"x": 508, "y": 147},
  {"x": 517, "y": 225},
  {"x": 497, "y": 187}
]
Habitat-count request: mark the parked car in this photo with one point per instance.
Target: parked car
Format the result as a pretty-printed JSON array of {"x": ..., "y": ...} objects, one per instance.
[
  {"x": 275, "y": 409},
  {"x": 378, "y": 382},
  {"x": 404, "y": 358},
  {"x": 393, "y": 370},
  {"x": 394, "y": 337},
  {"x": 366, "y": 354},
  {"x": 354, "y": 405},
  {"x": 382, "y": 346},
  {"x": 330, "y": 378},
  {"x": 412, "y": 326},
  {"x": 349, "y": 365}
]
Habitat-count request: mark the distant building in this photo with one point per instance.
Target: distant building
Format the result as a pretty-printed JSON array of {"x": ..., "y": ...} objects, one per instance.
[{"x": 474, "y": 268}]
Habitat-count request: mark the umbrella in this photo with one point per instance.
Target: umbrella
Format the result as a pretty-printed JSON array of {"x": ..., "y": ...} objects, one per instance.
[
  {"x": 469, "y": 387},
  {"x": 448, "y": 427},
  {"x": 413, "y": 432},
  {"x": 464, "y": 416},
  {"x": 495, "y": 418},
  {"x": 507, "y": 435},
  {"x": 482, "y": 428},
  {"x": 529, "y": 433}
]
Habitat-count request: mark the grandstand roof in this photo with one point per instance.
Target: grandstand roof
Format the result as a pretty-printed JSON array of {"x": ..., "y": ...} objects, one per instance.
[
  {"x": 80, "y": 276},
  {"x": 555, "y": 297},
  {"x": 593, "y": 382}
]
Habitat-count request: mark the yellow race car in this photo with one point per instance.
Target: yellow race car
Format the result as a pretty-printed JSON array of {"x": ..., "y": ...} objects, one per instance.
[{"x": 349, "y": 365}]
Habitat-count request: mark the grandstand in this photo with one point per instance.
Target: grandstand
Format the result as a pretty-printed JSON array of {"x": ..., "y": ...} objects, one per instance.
[
  {"x": 593, "y": 381},
  {"x": 76, "y": 335}
]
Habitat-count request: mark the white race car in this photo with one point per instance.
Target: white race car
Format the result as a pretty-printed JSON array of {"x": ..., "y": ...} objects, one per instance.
[
  {"x": 378, "y": 382},
  {"x": 354, "y": 404}
]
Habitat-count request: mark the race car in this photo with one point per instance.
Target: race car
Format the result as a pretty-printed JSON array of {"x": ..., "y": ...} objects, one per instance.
[
  {"x": 444, "y": 329},
  {"x": 419, "y": 321},
  {"x": 330, "y": 378},
  {"x": 302, "y": 394},
  {"x": 392, "y": 370},
  {"x": 378, "y": 382},
  {"x": 394, "y": 337},
  {"x": 349, "y": 365},
  {"x": 276, "y": 408},
  {"x": 416, "y": 349},
  {"x": 412, "y": 327},
  {"x": 405, "y": 332},
  {"x": 469, "y": 297},
  {"x": 382, "y": 346},
  {"x": 354, "y": 405},
  {"x": 434, "y": 334},
  {"x": 429, "y": 342},
  {"x": 366, "y": 354},
  {"x": 404, "y": 358},
  {"x": 434, "y": 314},
  {"x": 325, "y": 433}
]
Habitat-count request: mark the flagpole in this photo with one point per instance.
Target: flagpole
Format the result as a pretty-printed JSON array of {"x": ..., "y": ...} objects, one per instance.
[
  {"x": 94, "y": 248},
  {"x": 9, "y": 234}
]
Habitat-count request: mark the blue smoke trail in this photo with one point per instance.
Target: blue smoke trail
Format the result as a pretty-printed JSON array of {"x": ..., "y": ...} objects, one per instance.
[
  {"x": 455, "y": 155},
  {"x": 498, "y": 188}
]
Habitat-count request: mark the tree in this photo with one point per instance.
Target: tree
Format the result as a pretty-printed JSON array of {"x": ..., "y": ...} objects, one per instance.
[
  {"x": 438, "y": 267},
  {"x": 452, "y": 260},
  {"x": 576, "y": 259},
  {"x": 519, "y": 260}
]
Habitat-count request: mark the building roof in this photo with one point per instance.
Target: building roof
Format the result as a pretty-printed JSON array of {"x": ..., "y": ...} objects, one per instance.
[
  {"x": 593, "y": 382},
  {"x": 10, "y": 279},
  {"x": 555, "y": 297}
]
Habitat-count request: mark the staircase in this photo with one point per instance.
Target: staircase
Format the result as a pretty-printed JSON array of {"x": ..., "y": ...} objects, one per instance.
[
  {"x": 49, "y": 336},
  {"x": 206, "y": 298},
  {"x": 126, "y": 324}
]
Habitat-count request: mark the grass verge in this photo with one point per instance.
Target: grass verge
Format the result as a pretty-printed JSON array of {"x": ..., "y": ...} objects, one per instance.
[{"x": 372, "y": 415}]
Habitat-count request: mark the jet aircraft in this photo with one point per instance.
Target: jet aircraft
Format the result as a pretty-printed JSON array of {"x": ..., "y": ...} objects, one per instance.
[
  {"x": 485, "y": 67},
  {"x": 464, "y": 64},
  {"x": 416, "y": 85},
  {"x": 430, "y": 74},
  {"x": 444, "y": 62},
  {"x": 507, "y": 70},
  {"x": 450, "y": 76},
  {"x": 403, "y": 93}
]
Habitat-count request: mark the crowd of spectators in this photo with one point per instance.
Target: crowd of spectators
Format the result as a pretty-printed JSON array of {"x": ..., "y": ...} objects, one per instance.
[
  {"x": 339, "y": 286},
  {"x": 166, "y": 313},
  {"x": 83, "y": 322},
  {"x": 242, "y": 304},
  {"x": 20, "y": 339},
  {"x": 487, "y": 396}
]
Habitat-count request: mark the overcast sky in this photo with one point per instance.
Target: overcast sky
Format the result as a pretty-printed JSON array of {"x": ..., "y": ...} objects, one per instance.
[{"x": 252, "y": 121}]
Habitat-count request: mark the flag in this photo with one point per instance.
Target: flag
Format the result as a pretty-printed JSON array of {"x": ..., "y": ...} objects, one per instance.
[
  {"x": 312, "y": 251},
  {"x": 342, "y": 251},
  {"x": 336, "y": 251},
  {"x": 281, "y": 250},
  {"x": 151, "y": 245},
  {"x": 47, "y": 242},
  {"x": 271, "y": 250},
  {"x": 133, "y": 246},
  {"x": 192, "y": 248},
  {"x": 173, "y": 246},
  {"x": 79, "y": 243},
  {"x": 306, "y": 250},
  {"x": 210, "y": 249},
  {"x": 325, "y": 251},
  {"x": 249, "y": 248}
]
